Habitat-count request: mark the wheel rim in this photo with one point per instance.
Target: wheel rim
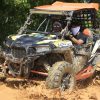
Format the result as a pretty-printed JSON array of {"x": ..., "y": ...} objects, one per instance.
[{"x": 66, "y": 81}]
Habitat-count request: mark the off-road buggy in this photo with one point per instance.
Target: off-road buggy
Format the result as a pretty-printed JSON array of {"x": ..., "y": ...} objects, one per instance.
[{"x": 50, "y": 53}]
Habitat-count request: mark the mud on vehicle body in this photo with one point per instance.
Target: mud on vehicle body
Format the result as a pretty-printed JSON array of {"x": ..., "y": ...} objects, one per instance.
[{"x": 50, "y": 53}]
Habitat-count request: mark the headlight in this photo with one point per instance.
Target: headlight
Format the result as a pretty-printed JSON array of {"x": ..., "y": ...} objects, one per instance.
[
  {"x": 43, "y": 49},
  {"x": 31, "y": 50},
  {"x": 8, "y": 42}
]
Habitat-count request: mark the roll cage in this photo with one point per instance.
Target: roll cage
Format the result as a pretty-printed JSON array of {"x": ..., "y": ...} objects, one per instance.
[{"x": 81, "y": 13}]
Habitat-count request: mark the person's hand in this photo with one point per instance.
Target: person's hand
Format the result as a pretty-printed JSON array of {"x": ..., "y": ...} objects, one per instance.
[
  {"x": 68, "y": 34},
  {"x": 71, "y": 36}
]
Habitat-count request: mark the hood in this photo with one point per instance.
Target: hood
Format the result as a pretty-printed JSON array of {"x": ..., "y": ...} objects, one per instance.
[
  {"x": 30, "y": 39},
  {"x": 37, "y": 39}
]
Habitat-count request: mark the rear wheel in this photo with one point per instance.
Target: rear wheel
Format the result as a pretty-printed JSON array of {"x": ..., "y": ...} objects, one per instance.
[{"x": 61, "y": 75}]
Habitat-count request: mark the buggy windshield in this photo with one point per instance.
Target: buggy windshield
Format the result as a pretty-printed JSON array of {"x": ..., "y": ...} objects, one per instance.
[{"x": 46, "y": 23}]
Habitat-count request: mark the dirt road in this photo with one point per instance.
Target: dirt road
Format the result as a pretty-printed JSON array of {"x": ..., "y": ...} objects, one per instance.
[
  {"x": 18, "y": 90},
  {"x": 7, "y": 93}
]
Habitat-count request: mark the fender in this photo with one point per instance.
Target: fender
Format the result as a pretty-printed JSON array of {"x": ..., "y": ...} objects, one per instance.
[{"x": 95, "y": 48}]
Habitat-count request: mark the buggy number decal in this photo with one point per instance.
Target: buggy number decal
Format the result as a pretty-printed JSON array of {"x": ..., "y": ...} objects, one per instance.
[{"x": 64, "y": 44}]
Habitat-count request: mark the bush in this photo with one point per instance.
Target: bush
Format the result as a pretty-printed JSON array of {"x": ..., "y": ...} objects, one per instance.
[{"x": 12, "y": 16}]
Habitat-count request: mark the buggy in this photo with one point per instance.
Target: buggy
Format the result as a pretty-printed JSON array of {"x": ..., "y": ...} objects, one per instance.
[{"x": 50, "y": 53}]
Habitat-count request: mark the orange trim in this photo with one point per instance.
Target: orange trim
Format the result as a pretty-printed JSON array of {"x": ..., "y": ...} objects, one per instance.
[
  {"x": 86, "y": 73},
  {"x": 61, "y": 6},
  {"x": 41, "y": 73}
]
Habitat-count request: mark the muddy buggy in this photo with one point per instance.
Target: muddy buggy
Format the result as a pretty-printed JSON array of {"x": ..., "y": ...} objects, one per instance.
[{"x": 50, "y": 53}]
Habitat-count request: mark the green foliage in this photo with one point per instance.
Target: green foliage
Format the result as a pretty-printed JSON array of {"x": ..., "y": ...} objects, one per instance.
[
  {"x": 12, "y": 15},
  {"x": 99, "y": 13}
]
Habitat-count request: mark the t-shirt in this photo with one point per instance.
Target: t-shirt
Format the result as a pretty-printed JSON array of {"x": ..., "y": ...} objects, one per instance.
[{"x": 81, "y": 36}]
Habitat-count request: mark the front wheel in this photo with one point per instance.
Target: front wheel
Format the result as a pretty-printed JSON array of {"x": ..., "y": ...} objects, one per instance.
[
  {"x": 25, "y": 69},
  {"x": 61, "y": 75}
]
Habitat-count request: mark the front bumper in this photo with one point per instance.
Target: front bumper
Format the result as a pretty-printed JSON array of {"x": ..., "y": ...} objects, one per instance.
[{"x": 9, "y": 57}]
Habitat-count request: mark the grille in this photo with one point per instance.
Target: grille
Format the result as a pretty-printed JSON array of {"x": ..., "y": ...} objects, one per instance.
[{"x": 18, "y": 52}]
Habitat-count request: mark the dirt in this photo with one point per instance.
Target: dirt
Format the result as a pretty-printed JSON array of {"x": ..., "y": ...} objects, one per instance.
[{"x": 18, "y": 89}]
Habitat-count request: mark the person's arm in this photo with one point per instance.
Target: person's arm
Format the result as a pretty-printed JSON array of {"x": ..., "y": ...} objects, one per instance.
[{"x": 79, "y": 42}]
